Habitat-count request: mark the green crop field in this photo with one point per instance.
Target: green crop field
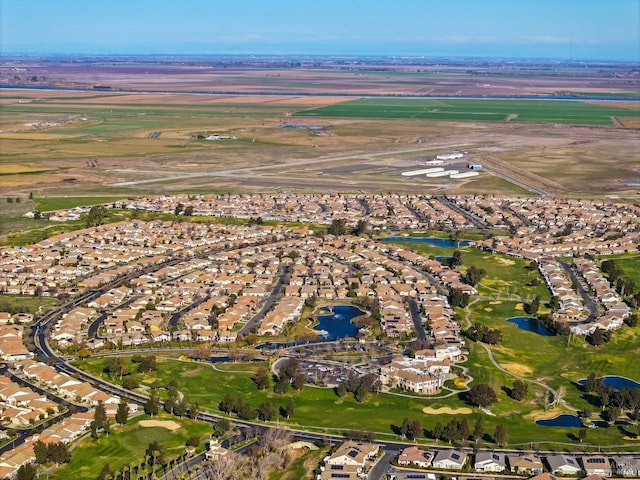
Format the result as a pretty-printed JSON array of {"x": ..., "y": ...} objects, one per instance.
[{"x": 536, "y": 111}]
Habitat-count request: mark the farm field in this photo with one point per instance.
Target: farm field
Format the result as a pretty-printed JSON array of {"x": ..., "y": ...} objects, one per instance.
[
  {"x": 74, "y": 143},
  {"x": 531, "y": 111}
]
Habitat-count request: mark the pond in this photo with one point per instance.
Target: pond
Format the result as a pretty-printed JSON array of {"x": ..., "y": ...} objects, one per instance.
[
  {"x": 437, "y": 242},
  {"x": 337, "y": 323},
  {"x": 564, "y": 420},
  {"x": 615, "y": 381},
  {"x": 531, "y": 324}
]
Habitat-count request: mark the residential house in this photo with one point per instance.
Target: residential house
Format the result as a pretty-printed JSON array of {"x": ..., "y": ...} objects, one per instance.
[
  {"x": 487, "y": 461},
  {"x": 450, "y": 459},
  {"x": 415, "y": 456},
  {"x": 529, "y": 464},
  {"x": 596, "y": 465},
  {"x": 563, "y": 464}
]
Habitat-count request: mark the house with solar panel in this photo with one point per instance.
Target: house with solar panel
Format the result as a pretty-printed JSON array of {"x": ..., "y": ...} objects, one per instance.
[
  {"x": 487, "y": 461},
  {"x": 563, "y": 464},
  {"x": 350, "y": 461},
  {"x": 528, "y": 464},
  {"x": 596, "y": 465},
  {"x": 450, "y": 459}
]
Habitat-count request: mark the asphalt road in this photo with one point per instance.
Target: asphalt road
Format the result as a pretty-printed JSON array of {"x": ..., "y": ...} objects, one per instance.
[
  {"x": 417, "y": 319},
  {"x": 268, "y": 302}
]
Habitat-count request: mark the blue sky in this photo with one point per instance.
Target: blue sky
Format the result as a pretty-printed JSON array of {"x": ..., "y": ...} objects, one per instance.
[{"x": 579, "y": 29}]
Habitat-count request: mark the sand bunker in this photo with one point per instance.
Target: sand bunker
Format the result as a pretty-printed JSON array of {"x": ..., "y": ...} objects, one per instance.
[
  {"x": 168, "y": 424},
  {"x": 488, "y": 309},
  {"x": 519, "y": 306},
  {"x": 495, "y": 302},
  {"x": 447, "y": 411}
]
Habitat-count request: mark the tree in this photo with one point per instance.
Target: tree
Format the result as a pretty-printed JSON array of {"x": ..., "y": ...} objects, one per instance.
[
  {"x": 59, "y": 453},
  {"x": 146, "y": 363},
  {"x": 266, "y": 411},
  {"x": 26, "y": 472},
  {"x": 464, "y": 429},
  {"x": 519, "y": 390},
  {"x": 130, "y": 383},
  {"x": 456, "y": 259},
  {"x": 193, "y": 441},
  {"x": 533, "y": 307},
  {"x": 282, "y": 385},
  {"x": 155, "y": 451},
  {"x": 500, "y": 436},
  {"x": 188, "y": 211},
  {"x": 457, "y": 298},
  {"x": 478, "y": 429},
  {"x": 438, "y": 431},
  {"x": 221, "y": 426},
  {"x": 41, "y": 451},
  {"x": 361, "y": 392},
  {"x": 298, "y": 381},
  {"x": 474, "y": 275},
  {"x": 338, "y": 227},
  {"x": 122, "y": 414},
  {"x": 178, "y": 209},
  {"x": 152, "y": 407},
  {"x": 290, "y": 408},
  {"x": 597, "y": 337},
  {"x": 99, "y": 418},
  {"x": 361, "y": 228},
  {"x": 117, "y": 366},
  {"x": 96, "y": 216},
  {"x": 262, "y": 378},
  {"x": 457, "y": 237},
  {"x": 482, "y": 395},
  {"x": 582, "y": 434}
]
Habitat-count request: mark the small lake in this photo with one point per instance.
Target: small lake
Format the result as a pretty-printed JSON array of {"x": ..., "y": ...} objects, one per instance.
[
  {"x": 564, "y": 420},
  {"x": 615, "y": 382},
  {"x": 337, "y": 323},
  {"x": 531, "y": 324},
  {"x": 633, "y": 181},
  {"x": 437, "y": 242}
]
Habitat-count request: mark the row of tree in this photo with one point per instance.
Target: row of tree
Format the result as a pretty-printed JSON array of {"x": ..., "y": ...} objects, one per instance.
[
  {"x": 266, "y": 411},
  {"x": 359, "y": 386},
  {"x": 481, "y": 333},
  {"x": 454, "y": 431}
]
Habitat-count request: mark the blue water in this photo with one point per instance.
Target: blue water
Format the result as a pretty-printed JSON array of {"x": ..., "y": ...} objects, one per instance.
[
  {"x": 338, "y": 323},
  {"x": 438, "y": 242},
  {"x": 615, "y": 382},
  {"x": 531, "y": 324},
  {"x": 564, "y": 420},
  {"x": 633, "y": 181}
]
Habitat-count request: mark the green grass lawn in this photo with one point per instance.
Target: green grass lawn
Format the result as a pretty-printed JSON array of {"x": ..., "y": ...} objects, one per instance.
[
  {"x": 27, "y": 303},
  {"x": 506, "y": 276},
  {"x": 629, "y": 264},
  {"x": 538, "y": 111},
  {"x": 319, "y": 409},
  {"x": 126, "y": 445}
]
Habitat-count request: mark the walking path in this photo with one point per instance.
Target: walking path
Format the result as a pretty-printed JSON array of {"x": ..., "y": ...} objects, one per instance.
[{"x": 557, "y": 399}]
